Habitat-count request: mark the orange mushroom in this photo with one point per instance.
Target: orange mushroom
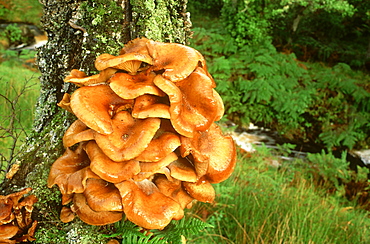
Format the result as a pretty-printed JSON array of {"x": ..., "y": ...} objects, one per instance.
[
  {"x": 65, "y": 103},
  {"x": 130, "y": 62},
  {"x": 213, "y": 149},
  {"x": 79, "y": 78},
  {"x": 131, "y": 86},
  {"x": 149, "y": 106},
  {"x": 69, "y": 163},
  {"x": 77, "y": 132},
  {"x": 146, "y": 206},
  {"x": 193, "y": 106},
  {"x": 102, "y": 196},
  {"x": 202, "y": 190},
  {"x": 93, "y": 105},
  {"x": 160, "y": 147},
  {"x": 108, "y": 169},
  {"x": 6, "y": 232},
  {"x": 177, "y": 61},
  {"x": 66, "y": 215},
  {"x": 183, "y": 170},
  {"x": 130, "y": 136},
  {"x": 91, "y": 217}
]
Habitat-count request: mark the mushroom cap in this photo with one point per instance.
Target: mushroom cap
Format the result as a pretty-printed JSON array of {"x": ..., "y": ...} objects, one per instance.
[
  {"x": 130, "y": 62},
  {"x": 76, "y": 133},
  {"x": 131, "y": 86},
  {"x": 146, "y": 206},
  {"x": 92, "y": 105},
  {"x": 149, "y": 106},
  {"x": 177, "y": 61},
  {"x": 66, "y": 215},
  {"x": 183, "y": 170},
  {"x": 97, "y": 79},
  {"x": 65, "y": 103},
  {"x": 130, "y": 138},
  {"x": 211, "y": 148},
  {"x": 203, "y": 191},
  {"x": 155, "y": 166},
  {"x": 69, "y": 163},
  {"x": 90, "y": 216},
  {"x": 138, "y": 45},
  {"x": 193, "y": 106},
  {"x": 173, "y": 188},
  {"x": 160, "y": 147},
  {"x": 6, "y": 206},
  {"x": 108, "y": 169},
  {"x": 8, "y": 231},
  {"x": 102, "y": 196}
]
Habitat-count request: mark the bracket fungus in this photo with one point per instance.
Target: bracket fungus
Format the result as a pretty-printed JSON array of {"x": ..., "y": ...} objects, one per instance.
[{"x": 145, "y": 144}]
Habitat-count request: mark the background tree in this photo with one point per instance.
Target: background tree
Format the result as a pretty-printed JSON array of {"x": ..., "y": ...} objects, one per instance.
[{"x": 78, "y": 31}]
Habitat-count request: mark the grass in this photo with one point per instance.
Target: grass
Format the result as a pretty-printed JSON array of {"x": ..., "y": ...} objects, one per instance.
[
  {"x": 19, "y": 89},
  {"x": 263, "y": 204}
]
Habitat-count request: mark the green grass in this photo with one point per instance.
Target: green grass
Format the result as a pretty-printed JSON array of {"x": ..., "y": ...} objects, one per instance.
[
  {"x": 19, "y": 89},
  {"x": 263, "y": 204}
]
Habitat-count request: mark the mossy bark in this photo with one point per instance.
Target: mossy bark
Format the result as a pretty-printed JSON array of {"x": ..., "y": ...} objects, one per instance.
[{"x": 78, "y": 31}]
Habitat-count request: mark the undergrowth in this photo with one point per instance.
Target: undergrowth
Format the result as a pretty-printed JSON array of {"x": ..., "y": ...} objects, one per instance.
[
  {"x": 264, "y": 204},
  {"x": 306, "y": 102}
]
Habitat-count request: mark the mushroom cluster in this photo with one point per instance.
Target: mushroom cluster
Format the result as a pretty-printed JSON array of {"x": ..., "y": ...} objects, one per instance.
[
  {"x": 145, "y": 143},
  {"x": 16, "y": 224}
]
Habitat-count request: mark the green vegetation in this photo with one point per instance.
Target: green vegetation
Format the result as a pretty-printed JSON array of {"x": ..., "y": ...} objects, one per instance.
[
  {"x": 265, "y": 204},
  {"x": 19, "y": 88}
]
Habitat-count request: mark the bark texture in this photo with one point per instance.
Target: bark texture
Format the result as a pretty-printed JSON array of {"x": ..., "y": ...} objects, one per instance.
[{"x": 78, "y": 31}]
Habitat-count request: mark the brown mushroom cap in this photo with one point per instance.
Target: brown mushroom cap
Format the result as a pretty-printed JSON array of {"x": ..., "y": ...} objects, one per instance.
[
  {"x": 7, "y": 231},
  {"x": 97, "y": 79},
  {"x": 138, "y": 45},
  {"x": 65, "y": 103},
  {"x": 177, "y": 61},
  {"x": 131, "y": 86},
  {"x": 149, "y": 106},
  {"x": 108, "y": 169},
  {"x": 6, "y": 206},
  {"x": 213, "y": 149},
  {"x": 130, "y": 62},
  {"x": 160, "y": 147},
  {"x": 203, "y": 191},
  {"x": 146, "y": 206},
  {"x": 66, "y": 215},
  {"x": 102, "y": 196},
  {"x": 69, "y": 163},
  {"x": 76, "y": 133},
  {"x": 173, "y": 188},
  {"x": 155, "y": 166},
  {"x": 183, "y": 170},
  {"x": 130, "y": 138},
  {"x": 193, "y": 106},
  {"x": 92, "y": 105},
  {"x": 90, "y": 216}
]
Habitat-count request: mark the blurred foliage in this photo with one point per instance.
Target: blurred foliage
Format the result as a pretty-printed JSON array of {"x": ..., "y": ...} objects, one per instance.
[
  {"x": 316, "y": 30},
  {"x": 26, "y": 11},
  {"x": 303, "y": 101}
]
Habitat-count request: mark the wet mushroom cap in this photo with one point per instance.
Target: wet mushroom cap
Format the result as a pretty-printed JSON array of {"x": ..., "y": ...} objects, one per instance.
[
  {"x": 8, "y": 231},
  {"x": 130, "y": 138},
  {"x": 102, "y": 196},
  {"x": 149, "y": 106},
  {"x": 146, "y": 206},
  {"x": 91, "y": 104},
  {"x": 166, "y": 57},
  {"x": 132, "y": 86},
  {"x": 130, "y": 62},
  {"x": 108, "y": 169},
  {"x": 76, "y": 133},
  {"x": 97, "y": 79},
  {"x": 90, "y": 216},
  {"x": 66, "y": 215},
  {"x": 203, "y": 191}
]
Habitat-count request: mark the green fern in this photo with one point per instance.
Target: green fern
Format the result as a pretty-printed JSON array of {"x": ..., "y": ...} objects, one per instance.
[{"x": 172, "y": 234}]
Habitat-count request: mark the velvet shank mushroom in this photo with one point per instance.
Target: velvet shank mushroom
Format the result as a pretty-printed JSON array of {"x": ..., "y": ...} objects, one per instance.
[{"x": 145, "y": 144}]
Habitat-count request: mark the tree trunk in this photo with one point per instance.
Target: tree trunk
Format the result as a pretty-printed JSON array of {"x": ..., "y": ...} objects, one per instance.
[{"x": 78, "y": 31}]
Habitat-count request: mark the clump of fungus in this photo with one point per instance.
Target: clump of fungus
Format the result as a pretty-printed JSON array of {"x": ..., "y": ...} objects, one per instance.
[
  {"x": 145, "y": 144},
  {"x": 16, "y": 223}
]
